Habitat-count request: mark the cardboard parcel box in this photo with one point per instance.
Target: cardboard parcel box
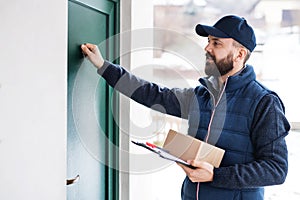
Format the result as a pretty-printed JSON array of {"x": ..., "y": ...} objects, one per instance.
[{"x": 186, "y": 148}]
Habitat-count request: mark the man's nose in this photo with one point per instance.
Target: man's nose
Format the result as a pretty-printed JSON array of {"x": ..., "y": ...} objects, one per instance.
[{"x": 207, "y": 48}]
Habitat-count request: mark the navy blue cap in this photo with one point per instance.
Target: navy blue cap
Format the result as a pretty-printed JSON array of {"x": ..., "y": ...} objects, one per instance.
[{"x": 230, "y": 26}]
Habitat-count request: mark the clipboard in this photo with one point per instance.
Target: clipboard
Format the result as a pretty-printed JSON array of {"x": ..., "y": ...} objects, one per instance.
[{"x": 162, "y": 153}]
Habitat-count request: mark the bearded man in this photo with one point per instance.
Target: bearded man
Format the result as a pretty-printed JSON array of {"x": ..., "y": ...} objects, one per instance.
[{"x": 229, "y": 109}]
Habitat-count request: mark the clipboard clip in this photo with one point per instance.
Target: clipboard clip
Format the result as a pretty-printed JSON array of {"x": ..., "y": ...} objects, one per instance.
[{"x": 162, "y": 153}]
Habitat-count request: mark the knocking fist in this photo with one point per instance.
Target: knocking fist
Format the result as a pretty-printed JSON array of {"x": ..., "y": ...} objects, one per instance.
[{"x": 93, "y": 54}]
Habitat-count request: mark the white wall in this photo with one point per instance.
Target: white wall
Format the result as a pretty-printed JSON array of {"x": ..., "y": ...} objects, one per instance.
[
  {"x": 124, "y": 116},
  {"x": 33, "y": 64},
  {"x": 141, "y": 18}
]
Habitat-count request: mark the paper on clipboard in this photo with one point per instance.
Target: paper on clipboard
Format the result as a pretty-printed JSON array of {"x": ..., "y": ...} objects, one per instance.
[{"x": 162, "y": 153}]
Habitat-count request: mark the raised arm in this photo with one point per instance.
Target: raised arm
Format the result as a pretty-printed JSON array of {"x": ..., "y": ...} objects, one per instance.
[{"x": 170, "y": 101}]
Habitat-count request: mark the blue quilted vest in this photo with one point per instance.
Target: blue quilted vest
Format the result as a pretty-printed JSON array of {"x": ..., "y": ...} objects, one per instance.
[{"x": 230, "y": 122}]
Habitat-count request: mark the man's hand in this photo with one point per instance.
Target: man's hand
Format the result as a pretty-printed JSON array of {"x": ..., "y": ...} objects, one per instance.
[
  {"x": 203, "y": 173},
  {"x": 93, "y": 54}
]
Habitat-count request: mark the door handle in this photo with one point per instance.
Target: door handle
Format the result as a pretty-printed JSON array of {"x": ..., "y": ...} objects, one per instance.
[{"x": 72, "y": 181}]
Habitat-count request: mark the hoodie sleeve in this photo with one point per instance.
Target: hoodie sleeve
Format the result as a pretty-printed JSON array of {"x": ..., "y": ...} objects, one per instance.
[
  {"x": 270, "y": 166},
  {"x": 173, "y": 101}
]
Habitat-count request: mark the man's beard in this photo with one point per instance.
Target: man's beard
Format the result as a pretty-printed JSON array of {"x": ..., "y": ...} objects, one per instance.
[{"x": 218, "y": 68}]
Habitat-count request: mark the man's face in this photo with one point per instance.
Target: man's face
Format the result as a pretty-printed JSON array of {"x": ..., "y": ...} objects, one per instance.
[{"x": 219, "y": 56}]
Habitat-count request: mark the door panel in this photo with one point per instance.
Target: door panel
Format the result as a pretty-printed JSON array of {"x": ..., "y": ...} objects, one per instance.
[{"x": 91, "y": 123}]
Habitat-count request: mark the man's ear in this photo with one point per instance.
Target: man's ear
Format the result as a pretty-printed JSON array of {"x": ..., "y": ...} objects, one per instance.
[{"x": 240, "y": 55}]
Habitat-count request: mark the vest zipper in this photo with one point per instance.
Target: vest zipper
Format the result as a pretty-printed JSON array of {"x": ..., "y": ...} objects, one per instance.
[
  {"x": 214, "y": 109},
  {"x": 210, "y": 121}
]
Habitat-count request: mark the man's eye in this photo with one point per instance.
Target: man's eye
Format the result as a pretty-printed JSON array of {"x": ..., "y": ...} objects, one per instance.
[{"x": 216, "y": 43}]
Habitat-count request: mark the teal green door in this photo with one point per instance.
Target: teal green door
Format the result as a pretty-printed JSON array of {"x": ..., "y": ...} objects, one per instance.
[{"x": 92, "y": 106}]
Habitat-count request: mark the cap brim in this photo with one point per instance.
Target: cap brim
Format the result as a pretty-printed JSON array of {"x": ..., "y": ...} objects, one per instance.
[{"x": 205, "y": 31}]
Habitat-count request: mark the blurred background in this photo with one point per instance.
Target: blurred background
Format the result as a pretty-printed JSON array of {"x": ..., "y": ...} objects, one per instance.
[{"x": 177, "y": 60}]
